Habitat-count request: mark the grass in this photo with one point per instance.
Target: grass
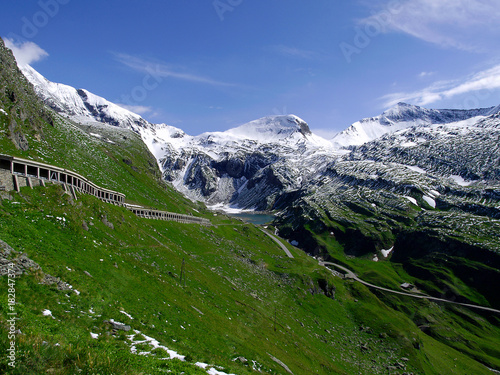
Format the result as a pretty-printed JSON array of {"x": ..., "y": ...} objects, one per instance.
[
  {"x": 222, "y": 275},
  {"x": 237, "y": 281},
  {"x": 471, "y": 332}
]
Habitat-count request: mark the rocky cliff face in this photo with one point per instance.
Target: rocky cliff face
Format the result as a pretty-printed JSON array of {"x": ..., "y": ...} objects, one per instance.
[{"x": 251, "y": 166}]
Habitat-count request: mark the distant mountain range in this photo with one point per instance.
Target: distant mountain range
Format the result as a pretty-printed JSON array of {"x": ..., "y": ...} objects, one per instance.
[{"x": 257, "y": 165}]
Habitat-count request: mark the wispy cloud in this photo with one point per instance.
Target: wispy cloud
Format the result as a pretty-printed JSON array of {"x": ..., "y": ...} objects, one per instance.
[
  {"x": 488, "y": 79},
  {"x": 26, "y": 53},
  {"x": 161, "y": 70},
  {"x": 295, "y": 52},
  {"x": 139, "y": 109},
  {"x": 465, "y": 24},
  {"x": 426, "y": 74}
]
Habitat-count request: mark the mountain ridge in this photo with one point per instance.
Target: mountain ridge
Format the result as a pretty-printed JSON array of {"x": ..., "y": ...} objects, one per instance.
[
  {"x": 258, "y": 165},
  {"x": 403, "y": 116},
  {"x": 80, "y": 104}
]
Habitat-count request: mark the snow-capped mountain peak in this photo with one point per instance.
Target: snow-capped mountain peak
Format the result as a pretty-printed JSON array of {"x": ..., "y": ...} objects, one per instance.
[
  {"x": 403, "y": 116},
  {"x": 81, "y": 105},
  {"x": 282, "y": 131},
  {"x": 272, "y": 128},
  {"x": 402, "y": 111},
  {"x": 244, "y": 166}
]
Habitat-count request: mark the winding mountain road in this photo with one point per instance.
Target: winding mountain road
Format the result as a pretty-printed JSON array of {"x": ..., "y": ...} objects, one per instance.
[
  {"x": 351, "y": 275},
  {"x": 275, "y": 239}
]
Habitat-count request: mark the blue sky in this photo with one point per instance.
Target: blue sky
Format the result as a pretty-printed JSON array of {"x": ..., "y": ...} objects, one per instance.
[{"x": 211, "y": 65}]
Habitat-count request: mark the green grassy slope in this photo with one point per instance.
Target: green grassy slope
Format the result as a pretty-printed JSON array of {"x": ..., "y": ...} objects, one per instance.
[{"x": 242, "y": 297}]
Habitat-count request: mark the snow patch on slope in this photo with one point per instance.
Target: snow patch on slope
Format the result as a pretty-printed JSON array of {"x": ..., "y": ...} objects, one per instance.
[
  {"x": 416, "y": 169},
  {"x": 155, "y": 344},
  {"x": 460, "y": 181},
  {"x": 431, "y": 202},
  {"x": 386, "y": 253},
  {"x": 412, "y": 200}
]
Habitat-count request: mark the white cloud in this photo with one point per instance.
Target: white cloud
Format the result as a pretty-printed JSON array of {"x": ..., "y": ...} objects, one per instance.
[
  {"x": 159, "y": 70},
  {"x": 139, "y": 109},
  {"x": 488, "y": 80},
  {"x": 465, "y": 24},
  {"x": 26, "y": 53}
]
